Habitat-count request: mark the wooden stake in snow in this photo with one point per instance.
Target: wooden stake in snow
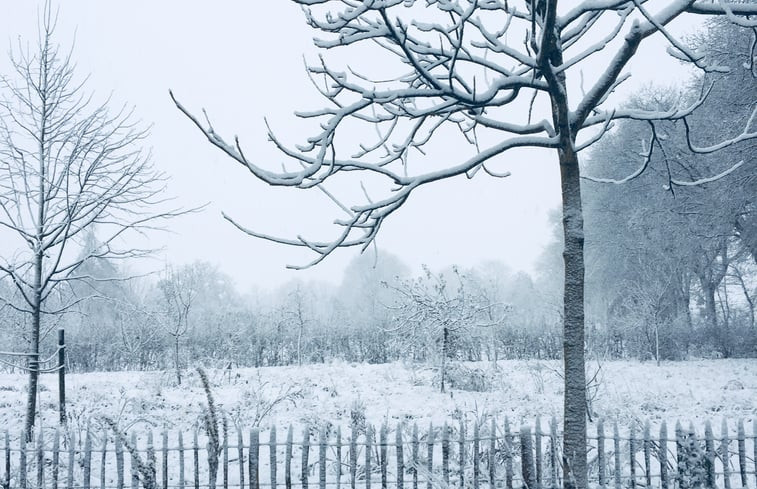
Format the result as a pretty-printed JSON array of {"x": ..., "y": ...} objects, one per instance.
[
  {"x": 492, "y": 449},
  {"x": 476, "y": 461},
  {"x": 353, "y": 455},
  {"x": 164, "y": 453},
  {"x": 181, "y": 461},
  {"x": 414, "y": 450},
  {"x": 709, "y": 454},
  {"x": 255, "y": 459},
  {"x": 134, "y": 469},
  {"x": 742, "y": 452},
  {"x": 616, "y": 446},
  {"x": 338, "y": 457},
  {"x": 322, "y": 458},
  {"x": 56, "y": 458},
  {"x": 383, "y": 460},
  {"x": 725, "y": 454},
  {"x": 368, "y": 470},
  {"x": 87, "y": 467},
  {"x": 508, "y": 456},
  {"x": 445, "y": 454},
  {"x": 647, "y": 455},
  {"x": 537, "y": 447},
  {"x": 240, "y": 453}
]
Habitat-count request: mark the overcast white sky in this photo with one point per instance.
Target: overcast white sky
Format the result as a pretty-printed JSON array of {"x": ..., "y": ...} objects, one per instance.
[{"x": 243, "y": 61}]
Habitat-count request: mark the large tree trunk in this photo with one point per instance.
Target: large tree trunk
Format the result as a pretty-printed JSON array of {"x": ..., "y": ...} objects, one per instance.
[
  {"x": 31, "y": 399},
  {"x": 574, "y": 422}
]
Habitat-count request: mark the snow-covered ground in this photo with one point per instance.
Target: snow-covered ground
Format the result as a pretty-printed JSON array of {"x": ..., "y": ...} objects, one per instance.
[{"x": 627, "y": 391}]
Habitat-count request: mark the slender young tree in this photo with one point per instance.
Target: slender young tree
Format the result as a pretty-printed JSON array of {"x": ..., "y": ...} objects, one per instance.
[
  {"x": 483, "y": 68},
  {"x": 67, "y": 166}
]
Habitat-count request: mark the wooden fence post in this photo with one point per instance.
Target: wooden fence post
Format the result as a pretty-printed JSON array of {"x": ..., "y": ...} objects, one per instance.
[
  {"x": 709, "y": 454},
  {"x": 338, "y": 457},
  {"x": 225, "y": 450},
  {"x": 616, "y": 447},
  {"x": 288, "y": 459},
  {"x": 492, "y": 450},
  {"x": 553, "y": 458},
  {"x": 400, "y": 458},
  {"x": 662, "y": 455},
  {"x": 104, "y": 459},
  {"x": 181, "y": 461},
  {"x": 368, "y": 469},
  {"x": 7, "y": 483},
  {"x": 508, "y": 455},
  {"x": 461, "y": 456},
  {"x": 601, "y": 463},
  {"x": 527, "y": 458},
  {"x": 62, "y": 376},
  {"x": 40, "y": 452},
  {"x": 353, "y": 455},
  {"x": 254, "y": 454},
  {"x": 445, "y": 454},
  {"x": 272, "y": 456},
  {"x": 322, "y": 458},
  {"x": 476, "y": 462},
  {"x": 414, "y": 450},
  {"x": 134, "y": 470},
  {"x": 742, "y": 452},
  {"x": 430, "y": 456},
  {"x": 240, "y": 454},
  {"x": 537, "y": 448},
  {"x": 383, "y": 451},
  {"x": 305, "y": 456},
  {"x": 56, "y": 458},
  {"x": 196, "y": 460},
  {"x": 87, "y": 481},
  {"x": 632, "y": 453},
  {"x": 647, "y": 455},
  {"x": 725, "y": 454}
]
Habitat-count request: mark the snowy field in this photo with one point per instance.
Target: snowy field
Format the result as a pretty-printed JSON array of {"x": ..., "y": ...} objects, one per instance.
[{"x": 321, "y": 395}]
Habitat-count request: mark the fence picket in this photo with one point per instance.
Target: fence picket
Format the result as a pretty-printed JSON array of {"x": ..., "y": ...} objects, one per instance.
[
  {"x": 680, "y": 462},
  {"x": 133, "y": 466},
  {"x": 647, "y": 455},
  {"x": 616, "y": 447},
  {"x": 553, "y": 452},
  {"x": 7, "y": 483},
  {"x": 445, "y": 454},
  {"x": 353, "y": 455},
  {"x": 338, "y": 457},
  {"x": 742, "y": 452},
  {"x": 240, "y": 454},
  {"x": 70, "y": 462},
  {"x": 288, "y": 459},
  {"x": 527, "y": 458},
  {"x": 22, "y": 461},
  {"x": 120, "y": 463},
  {"x": 305, "y": 455},
  {"x": 87, "y": 481},
  {"x": 415, "y": 443},
  {"x": 225, "y": 450},
  {"x": 368, "y": 443},
  {"x": 725, "y": 454},
  {"x": 632, "y": 453},
  {"x": 322, "y": 458},
  {"x": 151, "y": 459},
  {"x": 537, "y": 448},
  {"x": 709, "y": 454},
  {"x": 40, "y": 460},
  {"x": 181, "y": 461},
  {"x": 754, "y": 449},
  {"x": 508, "y": 455},
  {"x": 400, "y": 459},
  {"x": 383, "y": 451},
  {"x": 601, "y": 454},
  {"x": 164, "y": 453},
  {"x": 476, "y": 467},
  {"x": 662, "y": 455},
  {"x": 103, "y": 460},
  {"x": 272, "y": 456},
  {"x": 56, "y": 458},
  {"x": 461, "y": 456},
  {"x": 430, "y": 457},
  {"x": 196, "y": 460},
  {"x": 492, "y": 450},
  {"x": 254, "y": 455}
]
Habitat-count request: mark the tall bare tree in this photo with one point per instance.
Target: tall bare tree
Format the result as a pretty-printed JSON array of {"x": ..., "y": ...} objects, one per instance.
[
  {"x": 484, "y": 68},
  {"x": 66, "y": 166}
]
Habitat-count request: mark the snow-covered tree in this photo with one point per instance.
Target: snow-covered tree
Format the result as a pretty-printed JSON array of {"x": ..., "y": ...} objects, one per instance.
[
  {"x": 487, "y": 69},
  {"x": 67, "y": 166}
]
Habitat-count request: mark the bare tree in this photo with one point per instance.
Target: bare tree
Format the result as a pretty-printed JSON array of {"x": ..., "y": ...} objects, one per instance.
[
  {"x": 179, "y": 288},
  {"x": 428, "y": 307},
  {"x": 483, "y": 67},
  {"x": 66, "y": 166}
]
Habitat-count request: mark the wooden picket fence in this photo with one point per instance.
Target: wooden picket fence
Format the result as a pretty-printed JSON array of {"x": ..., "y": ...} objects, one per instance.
[{"x": 450, "y": 456}]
